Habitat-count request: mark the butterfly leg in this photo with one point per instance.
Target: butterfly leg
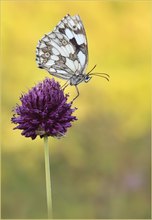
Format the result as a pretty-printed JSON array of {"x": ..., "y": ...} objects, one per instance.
[
  {"x": 77, "y": 93},
  {"x": 65, "y": 85}
]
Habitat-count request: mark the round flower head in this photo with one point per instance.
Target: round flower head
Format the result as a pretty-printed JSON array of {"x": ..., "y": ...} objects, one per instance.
[{"x": 44, "y": 111}]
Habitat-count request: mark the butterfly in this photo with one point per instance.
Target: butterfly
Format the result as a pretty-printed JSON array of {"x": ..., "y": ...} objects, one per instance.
[{"x": 64, "y": 52}]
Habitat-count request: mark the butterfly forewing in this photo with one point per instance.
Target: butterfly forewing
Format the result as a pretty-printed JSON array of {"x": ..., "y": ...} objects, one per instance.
[{"x": 64, "y": 52}]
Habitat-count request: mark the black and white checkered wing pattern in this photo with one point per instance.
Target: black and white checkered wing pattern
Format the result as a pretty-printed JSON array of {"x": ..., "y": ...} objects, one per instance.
[{"x": 64, "y": 52}]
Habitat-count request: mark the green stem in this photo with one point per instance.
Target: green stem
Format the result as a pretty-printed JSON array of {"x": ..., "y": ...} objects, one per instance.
[{"x": 48, "y": 178}]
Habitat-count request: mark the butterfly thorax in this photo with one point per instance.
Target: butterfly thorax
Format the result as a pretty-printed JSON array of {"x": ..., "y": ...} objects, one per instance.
[{"x": 76, "y": 79}]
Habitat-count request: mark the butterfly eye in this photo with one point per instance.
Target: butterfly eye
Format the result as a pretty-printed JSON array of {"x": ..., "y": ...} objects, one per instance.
[{"x": 87, "y": 78}]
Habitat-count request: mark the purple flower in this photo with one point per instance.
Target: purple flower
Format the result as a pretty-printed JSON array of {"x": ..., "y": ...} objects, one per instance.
[{"x": 44, "y": 111}]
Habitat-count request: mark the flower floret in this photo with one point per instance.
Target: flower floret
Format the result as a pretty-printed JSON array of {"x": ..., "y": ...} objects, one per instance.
[{"x": 44, "y": 111}]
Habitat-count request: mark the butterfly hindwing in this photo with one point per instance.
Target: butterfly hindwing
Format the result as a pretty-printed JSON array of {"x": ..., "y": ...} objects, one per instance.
[{"x": 63, "y": 52}]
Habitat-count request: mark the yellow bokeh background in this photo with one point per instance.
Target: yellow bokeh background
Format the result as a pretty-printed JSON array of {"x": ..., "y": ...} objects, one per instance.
[{"x": 101, "y": 169}]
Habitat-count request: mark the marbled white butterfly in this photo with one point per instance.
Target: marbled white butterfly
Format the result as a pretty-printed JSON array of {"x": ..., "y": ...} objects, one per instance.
[{"x": 64, "y": 52}]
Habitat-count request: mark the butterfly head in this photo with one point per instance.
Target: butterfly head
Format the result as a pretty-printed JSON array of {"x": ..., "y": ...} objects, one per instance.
[{"x": 87, "y": 78}]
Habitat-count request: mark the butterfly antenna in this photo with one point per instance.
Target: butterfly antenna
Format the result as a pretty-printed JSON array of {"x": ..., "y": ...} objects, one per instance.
[
  {"x": 103, "y": 75},
  {"x": 92, "y": 69}
]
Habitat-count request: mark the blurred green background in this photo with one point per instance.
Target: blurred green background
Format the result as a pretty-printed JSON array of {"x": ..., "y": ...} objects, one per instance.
[{"x": 101, "y": 169}]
